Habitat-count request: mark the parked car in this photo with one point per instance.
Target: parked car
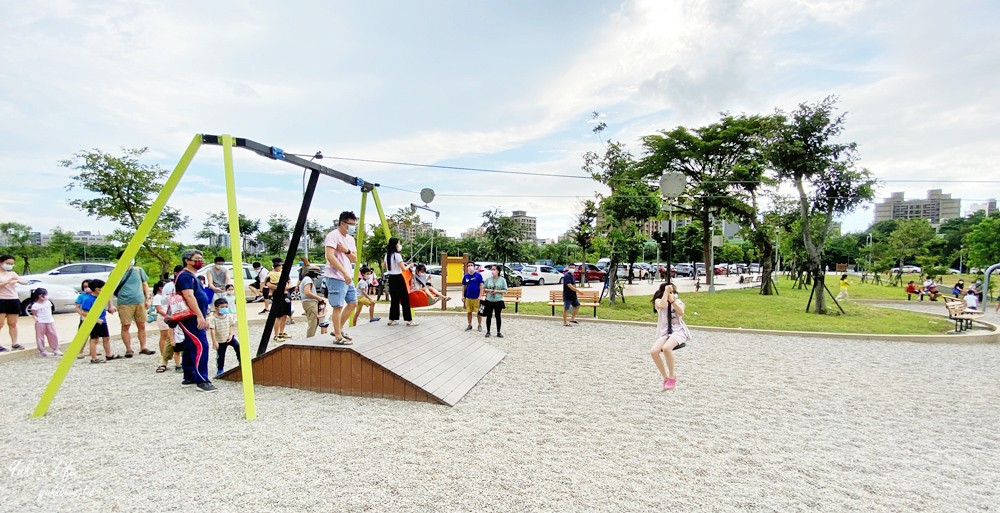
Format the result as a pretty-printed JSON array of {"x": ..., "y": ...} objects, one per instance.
[
  {"x": 62, "y": 297},
  {"x": 602, "y": 264},
  {"x": 248, "y": 277},
  {"x": 911, "y": 269},
  {"x": 954, "y": 271},
  {"x": 686, "y": 269},
  {"x": 511, "y": 276},
  {"x": 594, "y": 273},
  {"x": 561, "y": 268},
  {"x": 540, "y": 274},
  {"x": 70, "y": 275},
  {"x": 754, "y": 267},
  {"x": 549, "y": 263}
]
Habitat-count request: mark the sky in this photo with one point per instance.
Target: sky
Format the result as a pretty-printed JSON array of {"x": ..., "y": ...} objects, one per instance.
[{"x": 495, "y": 85}]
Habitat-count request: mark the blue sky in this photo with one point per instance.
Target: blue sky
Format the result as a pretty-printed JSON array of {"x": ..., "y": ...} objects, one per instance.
[{"x": 501, "y": 85}]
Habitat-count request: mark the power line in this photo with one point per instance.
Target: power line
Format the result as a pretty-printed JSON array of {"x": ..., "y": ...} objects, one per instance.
[{"x": 460, "y": 168}]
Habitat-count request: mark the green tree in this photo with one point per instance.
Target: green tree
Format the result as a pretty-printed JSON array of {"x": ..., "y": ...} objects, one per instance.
[
  {"x": 983, "y": 244},
  {"x": 731, "y": 252},
  {"x": 503, "y": 236},
  {"x": 374, "y": 246},
  {"x": 584, "y": 230},
  {"x": 910, "y": 239},
  {"x": 824, "y": 173},
  {"x": 275, "y": 237},
  {"x": 123, "y": 190},
  {"x": 61, "y": 243},
  {"x": 19, "y": 241},
  {"x": 725, "y": 171}
]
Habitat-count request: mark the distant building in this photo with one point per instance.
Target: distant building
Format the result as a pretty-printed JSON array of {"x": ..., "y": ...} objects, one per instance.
[
  {"x": 989, "y": 206},
  {"x": 936, "y": 208},
  {"x": 86, "y": 238},
  {"x": 529, "y": 225},
  {"x": 473, "y": 232}
]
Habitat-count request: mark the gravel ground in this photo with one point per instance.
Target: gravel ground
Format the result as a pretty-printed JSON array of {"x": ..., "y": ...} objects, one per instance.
[{"x": 563, "y": 423}]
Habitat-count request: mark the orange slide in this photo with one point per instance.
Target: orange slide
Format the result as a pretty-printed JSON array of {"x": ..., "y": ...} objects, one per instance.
[{"x": 417, "y": 297}]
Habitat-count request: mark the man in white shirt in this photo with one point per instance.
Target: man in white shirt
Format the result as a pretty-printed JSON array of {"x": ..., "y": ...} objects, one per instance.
[{"x": 341, "y": 253}]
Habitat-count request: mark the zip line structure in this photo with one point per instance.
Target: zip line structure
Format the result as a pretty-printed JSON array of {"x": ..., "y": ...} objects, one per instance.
[{"x": 132, "y": 249}]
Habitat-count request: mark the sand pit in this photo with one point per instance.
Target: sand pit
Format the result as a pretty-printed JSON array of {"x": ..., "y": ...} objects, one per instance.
[{"x": 572, "y": 419}]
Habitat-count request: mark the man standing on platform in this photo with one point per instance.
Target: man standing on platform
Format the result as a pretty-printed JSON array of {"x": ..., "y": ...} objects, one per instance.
[{"x": 341, "y": 252}]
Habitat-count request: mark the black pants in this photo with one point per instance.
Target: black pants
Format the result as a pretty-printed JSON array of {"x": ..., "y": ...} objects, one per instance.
[
  {"x": 220, "y": 359},
  {"x": 399, "y": 298},
  {"x": 493, "y": 308}
]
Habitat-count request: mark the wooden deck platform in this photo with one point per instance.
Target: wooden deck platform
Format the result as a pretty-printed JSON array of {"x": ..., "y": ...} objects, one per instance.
[{"x": 436, "y": 361}]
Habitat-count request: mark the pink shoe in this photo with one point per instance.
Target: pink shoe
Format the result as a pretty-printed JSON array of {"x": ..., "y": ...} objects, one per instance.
[{"x": 669, "y": 383}]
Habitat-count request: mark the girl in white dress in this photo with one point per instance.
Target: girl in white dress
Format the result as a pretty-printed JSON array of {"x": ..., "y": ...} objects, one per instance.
[{"x": 671, "y": 332}]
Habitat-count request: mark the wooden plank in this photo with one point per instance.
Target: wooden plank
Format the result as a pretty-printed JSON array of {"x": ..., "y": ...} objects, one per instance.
[
  {"x": 356, "y": 386},
  {"x": 378, "y": 376},
  {"x": 316, "y": 369},
  {"x": 408, "y": 348},
  {"x": 411, "y": 392},
  {"x": 304, "y": 377},
  {"x": 388, "y": 383},
  {"x": 336, "y": 371},
  {"x": 399, "y": 388},
  {"x": 366, "y": 378},
  {"x": 474, "y": 377},
  {"x": 441, "y": 355},
  {"x": 456, "y": 368},
  {"x": 454, "y": 377},
  {"x": 276, "y": 367},
  {"x": 418, "y": 334},
  {"x": 324, "y": 371}
]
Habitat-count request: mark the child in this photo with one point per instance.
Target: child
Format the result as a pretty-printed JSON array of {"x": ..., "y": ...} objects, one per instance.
[
  {"x": 911, "y": 289},
  {"x": 223, "y": 331},
  {"x": 471, "y": 287},
  {"x": 85, "y": 287},
  {"x": 844, "y": 284},
  {"x": 45, "y": 325},
  {"x": 364, "y": 295},
  {"x": 166, "y": 344},
  {"x": 100, "y": 329},
  {"x": 971, "y": 301},
  {"x": 671, "y": 332},
  {"x": 421, "y": 281}
]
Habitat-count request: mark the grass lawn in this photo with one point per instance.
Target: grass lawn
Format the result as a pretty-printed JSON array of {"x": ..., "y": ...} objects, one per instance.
[{"x": 748, "y": 309}]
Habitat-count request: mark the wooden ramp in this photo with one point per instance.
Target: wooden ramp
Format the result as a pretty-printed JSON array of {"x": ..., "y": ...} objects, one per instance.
[{"x": 436, "y": 361}]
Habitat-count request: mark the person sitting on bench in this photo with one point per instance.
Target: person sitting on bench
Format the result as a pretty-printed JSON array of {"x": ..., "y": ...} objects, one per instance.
[
  {"x": 930, "y": 288},
  {"x": 971, "y": 301},
  {"x": 911, "y": 289},
  {"x": 422, "y": 281}
]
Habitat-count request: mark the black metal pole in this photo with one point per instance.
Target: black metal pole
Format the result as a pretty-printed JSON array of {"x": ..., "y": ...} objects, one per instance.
[
  {"x": 670, "y": 242},
  {"x": 293, "y": 247}
]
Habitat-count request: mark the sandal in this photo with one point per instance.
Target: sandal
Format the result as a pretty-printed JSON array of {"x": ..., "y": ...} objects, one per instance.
[
  {"x": 147, "y": 351},
  {"x": 413, "y": 323},
  {"x": 17, "y": 346},
  {"x": 161, "y": 368},
  {"x": 343, "y": 342},
  {"x": 129, "y": 354},
  {"x": 346, "y": 336},
  {"x": 393, "y": 323},
  {"x": 113, "y": 357},
  {"x": 97, "y": 360}
]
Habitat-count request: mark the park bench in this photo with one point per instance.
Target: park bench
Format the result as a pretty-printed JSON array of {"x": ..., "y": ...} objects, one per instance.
[
  {"x": 751, "y": 279},
  {"x": 513, "y": 295},
  {"x": 586, "y": 298},
  {"x": 957, "y": 312}
]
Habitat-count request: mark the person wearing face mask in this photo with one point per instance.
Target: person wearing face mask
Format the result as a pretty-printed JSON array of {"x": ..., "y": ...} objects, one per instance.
[
  {"x": 399, "y": 299},
  {"x": 223, "y": 330},
  {"x": 364, "y": 298},
  {"x": 194, "y": 360},
  {"x": 310, "y": 299},
  {"x": 421, "y": 281},
  {"x": 10, "y": 307},
  {"x": 341, "y": 254},
  {"x": 494, "y": 287}
]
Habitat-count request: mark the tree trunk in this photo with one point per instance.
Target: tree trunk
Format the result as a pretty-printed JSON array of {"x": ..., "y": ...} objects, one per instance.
[
  {"x": 612, "y": 279},
  {"x": 766, "y": 269},
  {"x": 813, "y": 264}
]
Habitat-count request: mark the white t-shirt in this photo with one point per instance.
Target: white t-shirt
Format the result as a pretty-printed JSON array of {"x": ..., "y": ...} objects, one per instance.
[
  {"x": 971, "y": 301},
  {"x": 43, "y": 312},
  {"x": 161, "y": 300},
  {"x": 168, "y": 289},
  {"x": 262, "y": 274},
  {"x": 332, "y": 240},
  {"x": 397, "y": 264},
  {"x": 302, "y": 288}
]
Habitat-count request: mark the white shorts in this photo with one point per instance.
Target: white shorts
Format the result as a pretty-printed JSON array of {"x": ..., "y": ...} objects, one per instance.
[{"x": 681, "y": 334}]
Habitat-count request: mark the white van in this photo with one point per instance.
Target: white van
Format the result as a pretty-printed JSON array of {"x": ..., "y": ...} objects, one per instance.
[{"x": 603, "y": 264}]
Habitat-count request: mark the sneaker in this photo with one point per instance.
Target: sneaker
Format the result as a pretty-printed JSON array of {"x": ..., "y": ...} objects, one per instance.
[
  {"x": 669, "y": 383},
  {"x": 487, "y": 334},
  {"x": 376, "y": 319},
  {"x": 479, "y": 329},
  {"x": 469, "y": 328},
  {"x": 217, "y": 374},
  {"x": 3, "y": 349},
  {"x": 291, "y": 321},
  {"x": 324, "y": 325},
  {"x": 58, "y": 353},
  {"x": 262, "y": 312},
  {"x": 499, "y": 335},
  {"x": 187, "y": 383},
  {"x": 178, "y": 369},
  {"x": 207, "y": 387},
  {"x": 43, "y": 354}
]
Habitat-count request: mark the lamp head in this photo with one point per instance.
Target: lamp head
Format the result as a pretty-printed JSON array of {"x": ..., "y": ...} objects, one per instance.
[{"x": 672, "y": 184}]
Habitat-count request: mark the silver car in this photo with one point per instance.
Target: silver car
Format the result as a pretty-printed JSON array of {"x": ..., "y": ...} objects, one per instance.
[
  {"x": 62, "y": 298},
  {"x": 71, "y": 275}
]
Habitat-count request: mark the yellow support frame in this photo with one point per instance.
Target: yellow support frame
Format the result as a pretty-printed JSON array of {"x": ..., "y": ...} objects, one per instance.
[{"x": 132, "y": 249}]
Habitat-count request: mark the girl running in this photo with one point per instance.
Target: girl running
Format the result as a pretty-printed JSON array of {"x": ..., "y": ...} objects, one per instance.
[{"x": 671, "y": 332}]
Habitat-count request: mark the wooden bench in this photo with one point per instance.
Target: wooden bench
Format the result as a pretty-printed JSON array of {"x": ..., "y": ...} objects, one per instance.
[
  {"x": 513, "y": 295},
  {"x": 750, "y": 279},
  {"x": 957, "y": 312},
  {"x": 586, "y": 298}
]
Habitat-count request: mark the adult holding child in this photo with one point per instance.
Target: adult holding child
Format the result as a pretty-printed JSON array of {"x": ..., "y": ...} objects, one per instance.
[
  {"x": 10, "y": 307},
  {"x": 397, "y": 285},
  {"x": 341, "y": 254},
  {"x": 132, "y": 299}
]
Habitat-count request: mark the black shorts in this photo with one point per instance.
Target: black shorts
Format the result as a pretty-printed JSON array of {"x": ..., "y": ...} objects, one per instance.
[
  {"x": 280, "y": 305},
  {"x": 10, "y": 307},
  {"x": 100, "y": 330}
]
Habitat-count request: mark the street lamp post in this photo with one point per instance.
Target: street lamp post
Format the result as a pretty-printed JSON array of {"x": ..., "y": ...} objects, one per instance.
[
  {"x": 710, "y": 268},
  {"x": 672, "y": 185}
]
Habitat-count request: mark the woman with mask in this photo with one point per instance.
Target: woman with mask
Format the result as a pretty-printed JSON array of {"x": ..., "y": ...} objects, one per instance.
[
  {"x": 10, "y": 306},
  {"x": 397, "y": 286},
  {"x": 494, "y": 286}
]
